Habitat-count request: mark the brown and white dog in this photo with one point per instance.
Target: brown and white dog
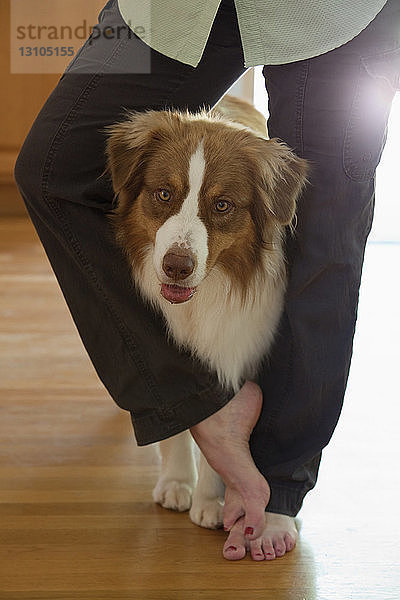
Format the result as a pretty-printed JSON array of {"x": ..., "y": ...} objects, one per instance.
[{"x": 203, "y": 201}]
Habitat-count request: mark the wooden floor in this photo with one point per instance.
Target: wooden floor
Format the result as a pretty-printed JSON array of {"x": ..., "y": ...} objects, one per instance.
[{"x": 76, "y": 517}]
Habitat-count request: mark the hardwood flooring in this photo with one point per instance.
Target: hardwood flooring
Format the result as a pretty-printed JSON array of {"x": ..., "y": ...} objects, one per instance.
[{"x": 76, "y": 517}]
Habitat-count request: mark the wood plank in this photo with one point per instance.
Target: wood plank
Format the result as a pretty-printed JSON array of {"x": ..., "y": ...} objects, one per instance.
[
  {"x": 76, "y": 516},
  {"x": 11, "y": 203},
  {"x": 7, "y": 162}
]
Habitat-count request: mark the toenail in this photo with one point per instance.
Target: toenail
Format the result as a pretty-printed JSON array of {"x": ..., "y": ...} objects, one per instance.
[
  {"x": 232, "y": 548},
  {"x": 249, "y": 531}
]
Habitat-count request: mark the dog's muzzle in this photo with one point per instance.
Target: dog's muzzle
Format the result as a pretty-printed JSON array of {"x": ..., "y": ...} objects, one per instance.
[{"x": 178, "y": 265}]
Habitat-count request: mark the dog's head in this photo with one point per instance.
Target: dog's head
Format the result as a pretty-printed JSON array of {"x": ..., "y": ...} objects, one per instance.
[{"x": 197, "y": 193}]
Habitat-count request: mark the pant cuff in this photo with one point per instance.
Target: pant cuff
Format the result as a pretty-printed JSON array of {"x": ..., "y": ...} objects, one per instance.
[
  {"x": 157, "y": 425},
  {"x": 286, "y": 500}
]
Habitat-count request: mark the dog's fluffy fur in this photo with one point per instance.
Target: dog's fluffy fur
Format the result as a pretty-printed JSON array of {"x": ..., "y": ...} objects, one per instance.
[{"x": 203, "y": 203}]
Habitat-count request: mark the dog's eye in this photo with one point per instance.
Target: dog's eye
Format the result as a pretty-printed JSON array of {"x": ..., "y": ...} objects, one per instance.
[
  {"x": 222, "y": 206},
  {"x": 163, "y": 195}
]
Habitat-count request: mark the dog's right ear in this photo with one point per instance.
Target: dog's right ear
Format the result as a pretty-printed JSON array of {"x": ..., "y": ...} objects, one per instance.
[{"x": 129, "y": 146}]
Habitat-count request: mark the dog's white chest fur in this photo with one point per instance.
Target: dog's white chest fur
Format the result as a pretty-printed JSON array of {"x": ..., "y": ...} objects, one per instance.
[{"x": 229, "y": 336}]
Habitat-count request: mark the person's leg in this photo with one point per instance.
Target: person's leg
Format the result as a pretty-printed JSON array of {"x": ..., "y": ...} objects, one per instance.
[
  {"x": 333, "y": 111},
  {"x": 60, "y": 172}
]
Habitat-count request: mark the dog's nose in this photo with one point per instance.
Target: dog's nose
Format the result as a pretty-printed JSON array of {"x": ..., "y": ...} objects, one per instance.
[{"x": 178, "y": 266}]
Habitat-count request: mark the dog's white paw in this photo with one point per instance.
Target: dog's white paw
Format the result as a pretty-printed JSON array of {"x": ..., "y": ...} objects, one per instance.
[
  {"x": 207, "y": 512},
  {"x": 175, "y": 495}
]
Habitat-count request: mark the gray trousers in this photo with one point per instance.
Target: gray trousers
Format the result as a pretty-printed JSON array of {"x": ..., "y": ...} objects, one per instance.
[{"x": 333, "y": 111}]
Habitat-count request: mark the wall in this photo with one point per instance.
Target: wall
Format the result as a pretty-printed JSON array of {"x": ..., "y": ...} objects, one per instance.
[{"x": 21, "y": 98}]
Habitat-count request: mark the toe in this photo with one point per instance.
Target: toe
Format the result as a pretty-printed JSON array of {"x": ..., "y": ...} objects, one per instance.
[
  {"x": 256, "y": 550},
  {"x": 255, "y": 515},
  {"x": 232, "y": 552},
  {"x": 254, "y": 525},
  {"x": 289, "y": 542},
  {"x": 235, "y": 546},
  {"x": 279, "y": 545},
  {"x": 268, "y": 549},
  {"x": 250, "y": 502}
]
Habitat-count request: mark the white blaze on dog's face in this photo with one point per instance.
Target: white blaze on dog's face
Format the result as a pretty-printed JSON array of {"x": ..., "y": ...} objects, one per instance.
[
  {"x": 196, "y": 193},
  {"x": 185, "y": 232}
]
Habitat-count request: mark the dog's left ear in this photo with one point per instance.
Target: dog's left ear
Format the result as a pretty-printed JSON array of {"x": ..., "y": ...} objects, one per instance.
[{"x": 283, "y": 176}]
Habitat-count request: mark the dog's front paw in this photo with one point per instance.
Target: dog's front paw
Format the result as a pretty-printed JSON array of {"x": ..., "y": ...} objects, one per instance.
[
  {"x": 175, "y": 495},
  {"x": 207, "y": 512}
]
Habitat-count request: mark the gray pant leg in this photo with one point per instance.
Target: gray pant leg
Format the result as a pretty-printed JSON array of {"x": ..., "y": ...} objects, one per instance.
[
  {"x": 333, "y": 111},
  {"x": 60, "y": 172}
]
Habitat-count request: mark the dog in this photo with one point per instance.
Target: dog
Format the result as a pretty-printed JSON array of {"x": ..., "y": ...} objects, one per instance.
[{"x": 204, "y": 203}]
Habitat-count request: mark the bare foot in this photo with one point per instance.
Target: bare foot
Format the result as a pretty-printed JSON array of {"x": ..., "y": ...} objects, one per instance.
[
  {"x": 224, "y": 440},
  {"x": 279, "y": 536}
]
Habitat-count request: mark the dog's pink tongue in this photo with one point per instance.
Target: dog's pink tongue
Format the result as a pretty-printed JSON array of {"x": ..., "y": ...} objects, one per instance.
[{"x": 176, "y": 294}]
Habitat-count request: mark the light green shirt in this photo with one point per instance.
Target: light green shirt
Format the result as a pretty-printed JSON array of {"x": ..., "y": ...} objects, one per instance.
[{"x": 272, "y": 31}]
